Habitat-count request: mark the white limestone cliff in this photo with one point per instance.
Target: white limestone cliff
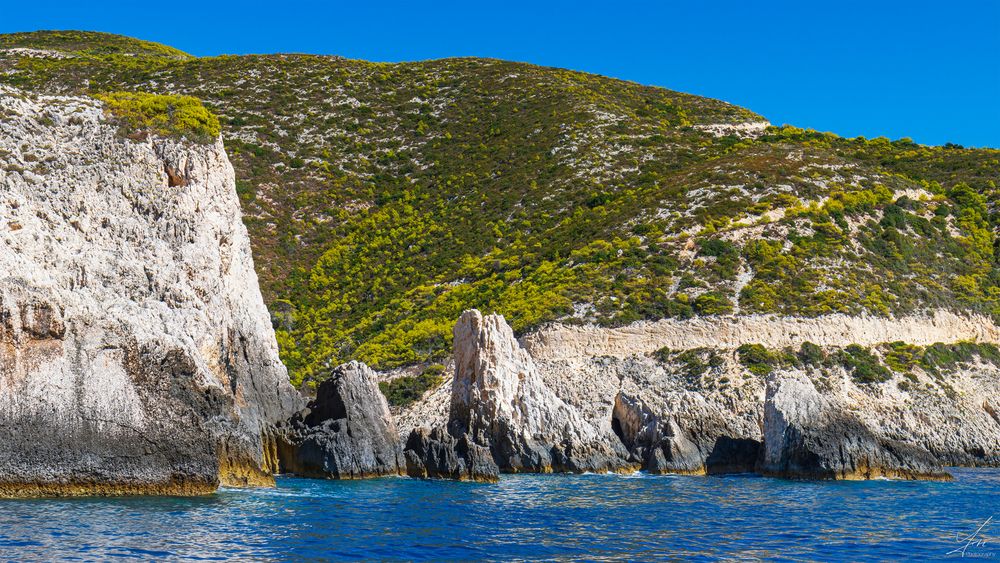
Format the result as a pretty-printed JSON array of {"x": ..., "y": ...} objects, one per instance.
[
  {"x": 562, "y": 342},
  {"x": 500, "y": 399},
  {"x": 136, "y": 353}
]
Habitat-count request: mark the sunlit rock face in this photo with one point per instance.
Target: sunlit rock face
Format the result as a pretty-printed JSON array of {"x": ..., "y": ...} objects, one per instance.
[
  {"x": 136, "y": 354},
  {"x": 811, "y": 436},
  {"x": 499, "y": 402}
]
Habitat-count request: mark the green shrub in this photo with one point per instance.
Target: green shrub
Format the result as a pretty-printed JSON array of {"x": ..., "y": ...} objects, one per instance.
[
  {"x": 863, "y": 366},
  {"x": 713, "y": 303},
  {"x": 403, "y": 391},
  {"x": 642, "y": 229},
  {"x": 246, "y": 191},
  {"x": 694, "y": 363},
  {"x": 693, "y": 366},
  {"x": 757, "y": 359},
  {"x": 662, "y": 355},
  {"x": 168, "y": 116},
  {"x": 941, "y": 358},
  {"x": 811, "y": 355},
  {"x": 901, "y": 357},
  {"x": 717, "y": 247}
]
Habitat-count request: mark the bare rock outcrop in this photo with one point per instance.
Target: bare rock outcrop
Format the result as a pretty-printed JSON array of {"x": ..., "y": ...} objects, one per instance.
[
  {"x": 808, "y": 435},
  {"x": 436, "y": 454},
  {"x": 136, "y": 353},
  {"x": 347, "y": 432},
  {"x": 706, "y": 414},
  {"x": 499, "y": 398},
  {"x": 500, "y": 402},
  {"x": 656, "y": 441}
]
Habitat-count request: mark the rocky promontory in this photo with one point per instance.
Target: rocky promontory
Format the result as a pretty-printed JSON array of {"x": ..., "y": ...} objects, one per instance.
[
  {"x": 808, "y": 435},
  {"x": 136, "y": 353}
]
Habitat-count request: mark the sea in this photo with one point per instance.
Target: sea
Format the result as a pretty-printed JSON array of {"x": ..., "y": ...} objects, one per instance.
[{"x": 525, "y": 518}]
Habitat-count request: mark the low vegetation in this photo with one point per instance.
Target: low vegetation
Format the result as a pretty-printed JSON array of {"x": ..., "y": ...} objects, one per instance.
[
  {"x": 757, "y": 359},
  {"x": 404, "y": 390},
  {"x": 165, "y": 115},
  {"x": 864, "y": 365},
  {"x": 384, "y": 199},
  {"x": 691, "y": 364}
]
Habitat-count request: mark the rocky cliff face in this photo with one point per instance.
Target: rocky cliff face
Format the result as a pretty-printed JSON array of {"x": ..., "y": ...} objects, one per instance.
[
  {"x": 560, "y": 342},
  {"x": 500, "y": 399},
  {"x": 811, "y": 435},
  {"x": 699, "y": 409},
  {"x": 136, "y": 354}
]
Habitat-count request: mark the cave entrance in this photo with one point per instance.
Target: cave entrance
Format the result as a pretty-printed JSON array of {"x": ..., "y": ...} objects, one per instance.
[{"x": 616, "y": 427}]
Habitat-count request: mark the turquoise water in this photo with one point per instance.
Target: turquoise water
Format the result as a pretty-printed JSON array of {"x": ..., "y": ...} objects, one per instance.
[{"x": 553, "y": 517}]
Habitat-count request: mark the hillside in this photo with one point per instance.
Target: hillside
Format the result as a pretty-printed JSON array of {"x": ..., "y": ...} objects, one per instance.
[{"x": 384, "y": 199}]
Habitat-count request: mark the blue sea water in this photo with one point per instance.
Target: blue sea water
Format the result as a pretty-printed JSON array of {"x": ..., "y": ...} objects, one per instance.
[{"x": 549, "y": 517}]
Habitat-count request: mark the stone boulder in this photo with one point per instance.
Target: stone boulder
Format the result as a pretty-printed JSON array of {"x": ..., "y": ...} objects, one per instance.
[
  {"x": 347, "y": 432},
  {"x": 680, "y": 435},
  {"x": 436, "y": 454},
  {"x": 654, "y": 441},
  {"x": 809, "y": 435}
]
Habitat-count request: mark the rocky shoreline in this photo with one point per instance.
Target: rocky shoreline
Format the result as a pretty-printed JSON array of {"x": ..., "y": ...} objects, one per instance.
[
  {"x": 502, "y": 416},
  {"x": 136, "y": 353}
]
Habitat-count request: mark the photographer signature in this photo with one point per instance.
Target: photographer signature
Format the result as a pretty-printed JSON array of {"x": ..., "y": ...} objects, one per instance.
[{"x": 973, "y": 541}]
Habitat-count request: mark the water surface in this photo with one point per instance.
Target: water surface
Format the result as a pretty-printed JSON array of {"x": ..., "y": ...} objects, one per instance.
[{"x": 552, "y": 517}]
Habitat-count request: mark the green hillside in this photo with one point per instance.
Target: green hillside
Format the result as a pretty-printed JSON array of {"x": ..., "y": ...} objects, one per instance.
[{"x": 383, "y": 199}]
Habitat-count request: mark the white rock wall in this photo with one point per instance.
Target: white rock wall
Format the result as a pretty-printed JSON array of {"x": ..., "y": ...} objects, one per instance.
[
  {"x": 561, "y": 342},
  {"x": 112, "y": 272}
]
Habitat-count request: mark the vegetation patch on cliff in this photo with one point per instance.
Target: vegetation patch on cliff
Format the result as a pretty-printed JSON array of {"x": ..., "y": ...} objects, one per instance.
[
  {"x": 691, "y": 364},
  {"x": 404, "y": 390},
  {"x": 865, "y": 365},
  {"x": 165, "y": 115}
]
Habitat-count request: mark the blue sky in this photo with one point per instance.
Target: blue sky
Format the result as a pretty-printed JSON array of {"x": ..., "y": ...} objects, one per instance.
[{"x": 926, "y": 70}]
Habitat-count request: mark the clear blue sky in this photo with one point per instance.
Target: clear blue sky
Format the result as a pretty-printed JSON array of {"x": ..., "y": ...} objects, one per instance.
[{"x": 927, "y": 70}]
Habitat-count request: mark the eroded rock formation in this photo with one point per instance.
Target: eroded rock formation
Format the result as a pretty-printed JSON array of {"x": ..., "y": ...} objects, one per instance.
[
  {"x": 436, "y": 454},
  {"x": 499, "y": 398},
  {"x": 655, "y": 441},
  {"x": 633, "y": 410},
  {"x": 347, "y": 431},
  {"x": 809, "y": 435},
  {"x": 136, "y": 354},
  {"x": 499, "y": 401}
]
